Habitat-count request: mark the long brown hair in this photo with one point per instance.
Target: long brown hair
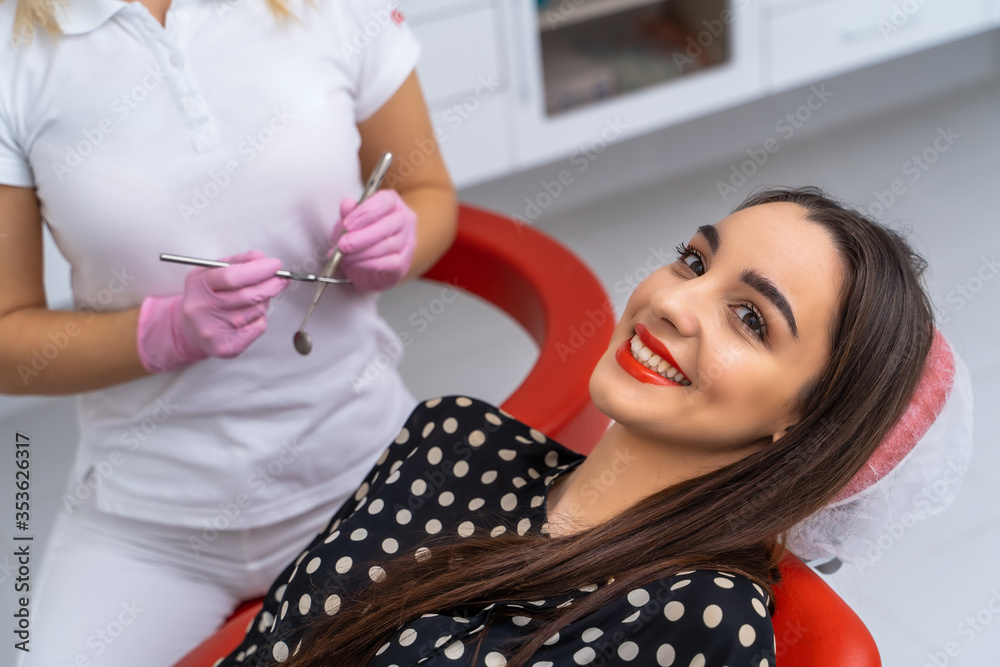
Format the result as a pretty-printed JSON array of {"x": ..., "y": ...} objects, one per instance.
[{"x": 730, "y": 519}]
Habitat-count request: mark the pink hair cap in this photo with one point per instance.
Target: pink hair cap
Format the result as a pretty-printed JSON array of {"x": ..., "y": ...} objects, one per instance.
[{"x": 927, "y": 402}]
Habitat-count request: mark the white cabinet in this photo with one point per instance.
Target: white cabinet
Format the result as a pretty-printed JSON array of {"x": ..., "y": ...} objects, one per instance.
[{"x": 814, "y": 40}]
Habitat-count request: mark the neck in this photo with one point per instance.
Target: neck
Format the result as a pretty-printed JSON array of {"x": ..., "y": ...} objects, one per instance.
[{"x": 624, "y": 468}]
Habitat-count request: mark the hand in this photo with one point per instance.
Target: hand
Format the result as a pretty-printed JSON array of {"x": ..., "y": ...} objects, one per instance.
[
  {"x": 377, "y": 239},
  {"x": 221, "y": 312}
]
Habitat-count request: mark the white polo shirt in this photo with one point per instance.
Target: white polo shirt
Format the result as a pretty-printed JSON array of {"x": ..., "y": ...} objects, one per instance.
[{"x": 224, "y": 132}]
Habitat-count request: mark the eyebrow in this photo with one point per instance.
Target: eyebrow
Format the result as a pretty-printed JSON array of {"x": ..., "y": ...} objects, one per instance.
[
  {"x": 711, "y": 235},
  {"x": 771, "y": 292}
]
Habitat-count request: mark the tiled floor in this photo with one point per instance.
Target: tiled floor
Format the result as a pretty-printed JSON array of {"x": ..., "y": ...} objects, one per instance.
[{"x": 917, "y": 598}]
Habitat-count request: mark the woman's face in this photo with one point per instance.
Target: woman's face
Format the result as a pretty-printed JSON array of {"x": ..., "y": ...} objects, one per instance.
[{"x": 744, "y": 315}]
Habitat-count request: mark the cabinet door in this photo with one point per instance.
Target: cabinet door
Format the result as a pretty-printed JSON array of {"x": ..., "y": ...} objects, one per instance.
[
  {"x": 545, "y": 132},
  {"x": 465, "y": 82},
  {"x": 817, "y": 41}
]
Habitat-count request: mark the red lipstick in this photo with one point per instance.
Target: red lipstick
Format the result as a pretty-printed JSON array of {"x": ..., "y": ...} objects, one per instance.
[
  {"x": 657, "y": 347},
  {"x": 623, "y": 355}
]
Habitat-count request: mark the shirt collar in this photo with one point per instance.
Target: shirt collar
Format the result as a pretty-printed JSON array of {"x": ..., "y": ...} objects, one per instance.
[{"x": 77, "y": 17}]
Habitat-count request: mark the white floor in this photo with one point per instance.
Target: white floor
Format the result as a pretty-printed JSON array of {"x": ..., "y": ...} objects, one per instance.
[{"x": 938, "y": 582}]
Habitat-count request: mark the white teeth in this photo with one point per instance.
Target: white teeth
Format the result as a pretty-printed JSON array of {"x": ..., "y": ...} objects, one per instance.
[{"x": 655, "y": 363}]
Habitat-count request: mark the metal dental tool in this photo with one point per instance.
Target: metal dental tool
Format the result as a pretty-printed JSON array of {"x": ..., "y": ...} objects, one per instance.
[
  {"x": 282, "y": 273},
  {"x": 302, "y": 340}
]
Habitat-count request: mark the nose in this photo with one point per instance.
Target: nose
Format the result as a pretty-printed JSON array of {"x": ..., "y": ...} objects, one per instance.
[{"x": 681, "y": 306}]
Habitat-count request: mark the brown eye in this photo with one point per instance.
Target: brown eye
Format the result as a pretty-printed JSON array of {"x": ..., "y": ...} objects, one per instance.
[
  {"x": 751, "y": 319},
  {"x": 692, "y": 258}
]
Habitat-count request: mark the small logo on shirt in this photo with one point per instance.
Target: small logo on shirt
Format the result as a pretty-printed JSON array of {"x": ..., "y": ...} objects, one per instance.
[{"x": 397, "y": 17}]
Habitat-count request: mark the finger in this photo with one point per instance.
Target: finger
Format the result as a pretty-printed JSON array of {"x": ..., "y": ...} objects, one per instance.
[
  {"x": 346, "y": 206},
  {"x": 379, "y": 205},
  {"x": 239, "y": 338},
  {"x": 243, "y": 257},
  {"x": 238, "y": 276},
  {"x": 358, "y": 239},
  {"x": 391, "y": 246},
  {"x": 260, "y": 293}
]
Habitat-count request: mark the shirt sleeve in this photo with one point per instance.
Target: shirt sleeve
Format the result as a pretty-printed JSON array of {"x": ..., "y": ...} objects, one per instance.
[
  {"x": 14, "y": 167},
  {"x": 381, "y": 50},
  {"x": 703, "y": 618}
]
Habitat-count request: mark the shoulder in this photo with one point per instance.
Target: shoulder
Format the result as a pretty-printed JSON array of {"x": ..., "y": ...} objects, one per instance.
[{"x": 702, "y": 617}]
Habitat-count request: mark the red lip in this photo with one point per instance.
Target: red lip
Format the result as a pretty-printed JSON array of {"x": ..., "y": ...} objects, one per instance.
[
  {"x": 623, "y": 355},
  {"x": 657, "y": 347}
]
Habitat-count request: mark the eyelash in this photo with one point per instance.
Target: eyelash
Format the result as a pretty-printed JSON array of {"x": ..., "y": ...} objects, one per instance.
[{"x": 684, "y": 249}]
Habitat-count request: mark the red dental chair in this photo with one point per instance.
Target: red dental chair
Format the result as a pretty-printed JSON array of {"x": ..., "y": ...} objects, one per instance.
[{"x": 560, "y": 302}]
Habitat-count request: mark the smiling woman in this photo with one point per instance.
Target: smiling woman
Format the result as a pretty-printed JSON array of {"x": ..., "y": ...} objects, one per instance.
[{"x": 749, "y": 382}]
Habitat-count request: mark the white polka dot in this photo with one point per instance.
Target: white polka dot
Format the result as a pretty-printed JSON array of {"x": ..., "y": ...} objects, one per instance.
[
  {"x": 376, "y": 573},
  {"x": 450, "y": 425},
  {"x": 434, "y": 455},
  {"x": 358, "y": 535},
  {"x": 433, "y": 403},
  {"x": 680, "y": 584},
  {"x": 722, "y": 582},
  {"x": 441, "y": 641},
  {"x": 697, "y": 661},
  {"x": 494, "y": 659},
  {"x": 343, "y": 565},
  {"x": 759, "y": 607},
  {"x": 673, "y": 610},
  {"x": 493, "y": 419},
  {"x": 628, "y": 651},
  {"x": 280, "y": 651},
  {"x": 544, "y": 663},
  {"x": 584, "y": 656},
  {"x": 403, "y": 517},
  {"x": 552, "y": 640},
  {"x": 305, "y": 603},
  {"x": 552, "y": 459},
  {"x": 382, "y": 648},
  {"x": 476, "y": 503},
  {"x": 537, "y": 436},
  {"x": 665, "y": 655},
  {"x": 454, "y": 650},
  {"x": 519, "y": 482},
  {"x": 523, "y": 525},
  {"x": 638, "y": 597},
  {"x": 393, "y": 478},
  {"x": 407, "y": 637},
  {"x": 537, "y": 500},
  {"x": 507, "y": 454},
  {"x": 590, "y": 634},
  {"x": 362, "y": 491},
  {"x": 313, "y": 565},
  {"x": 589, "y": 588},
  {"x": 499, "y": 530},
  {"x": 764, "y": 663},
  {"x": 390, "y": 546},
  {"x": 533, "y": 474},
  {"x": 376, "y": 506},
  {"x": 712, "y": 615},
  {"x": 446, "y": 499},
  {"x": 759, "y": 589},
  {"x": 396, "y": 466},
  {"x": 403, "y": 436},
  {"x": 463, "y": 402},
  {"x": 332, "y": 605},
  {"x": 418, "y": 487},
  {"x": 280, "y": 592},
  {"x": 433, "y": 527},
  {"x": 331, "y": 537},
  {"x": 466, "y": 528},
  {"x": 508, "y": 501},
  {"x": 477, "y": 438},
  {"x": 522, "y": 439},
  {"x": 489, "y": 477},
  {"x": 631, "y": 618},
  {"x": 747, "y": 635},
  {"x": 265, "y": 623},
  {"x": 422, "y": 554},
  {"x": 428, "y": 427},
  {"x": 461, "y": 469},
  {"x": 521, "y": 621}
]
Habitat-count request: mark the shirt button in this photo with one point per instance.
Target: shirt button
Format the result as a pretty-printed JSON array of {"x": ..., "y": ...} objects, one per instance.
[{"x": 176, "y": 60}]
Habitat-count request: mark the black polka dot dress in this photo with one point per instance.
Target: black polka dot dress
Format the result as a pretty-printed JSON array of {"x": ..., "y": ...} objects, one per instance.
[{"x": 462, "y": 468}]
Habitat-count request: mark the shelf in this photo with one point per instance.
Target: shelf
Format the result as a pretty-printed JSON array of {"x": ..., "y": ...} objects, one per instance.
[{"x": 562, "y": 13}]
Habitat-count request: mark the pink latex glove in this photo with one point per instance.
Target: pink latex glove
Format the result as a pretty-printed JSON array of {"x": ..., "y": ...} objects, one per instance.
[
  {"x": 377, "y": 239},
  {"x": 221, "y": 312}
]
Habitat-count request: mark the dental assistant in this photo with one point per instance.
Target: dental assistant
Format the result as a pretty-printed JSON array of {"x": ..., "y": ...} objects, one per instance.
[{"x": 210, "y": 452}]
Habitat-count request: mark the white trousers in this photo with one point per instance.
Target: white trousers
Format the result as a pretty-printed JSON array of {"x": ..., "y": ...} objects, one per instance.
[{"x": 117, "y": 592}]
